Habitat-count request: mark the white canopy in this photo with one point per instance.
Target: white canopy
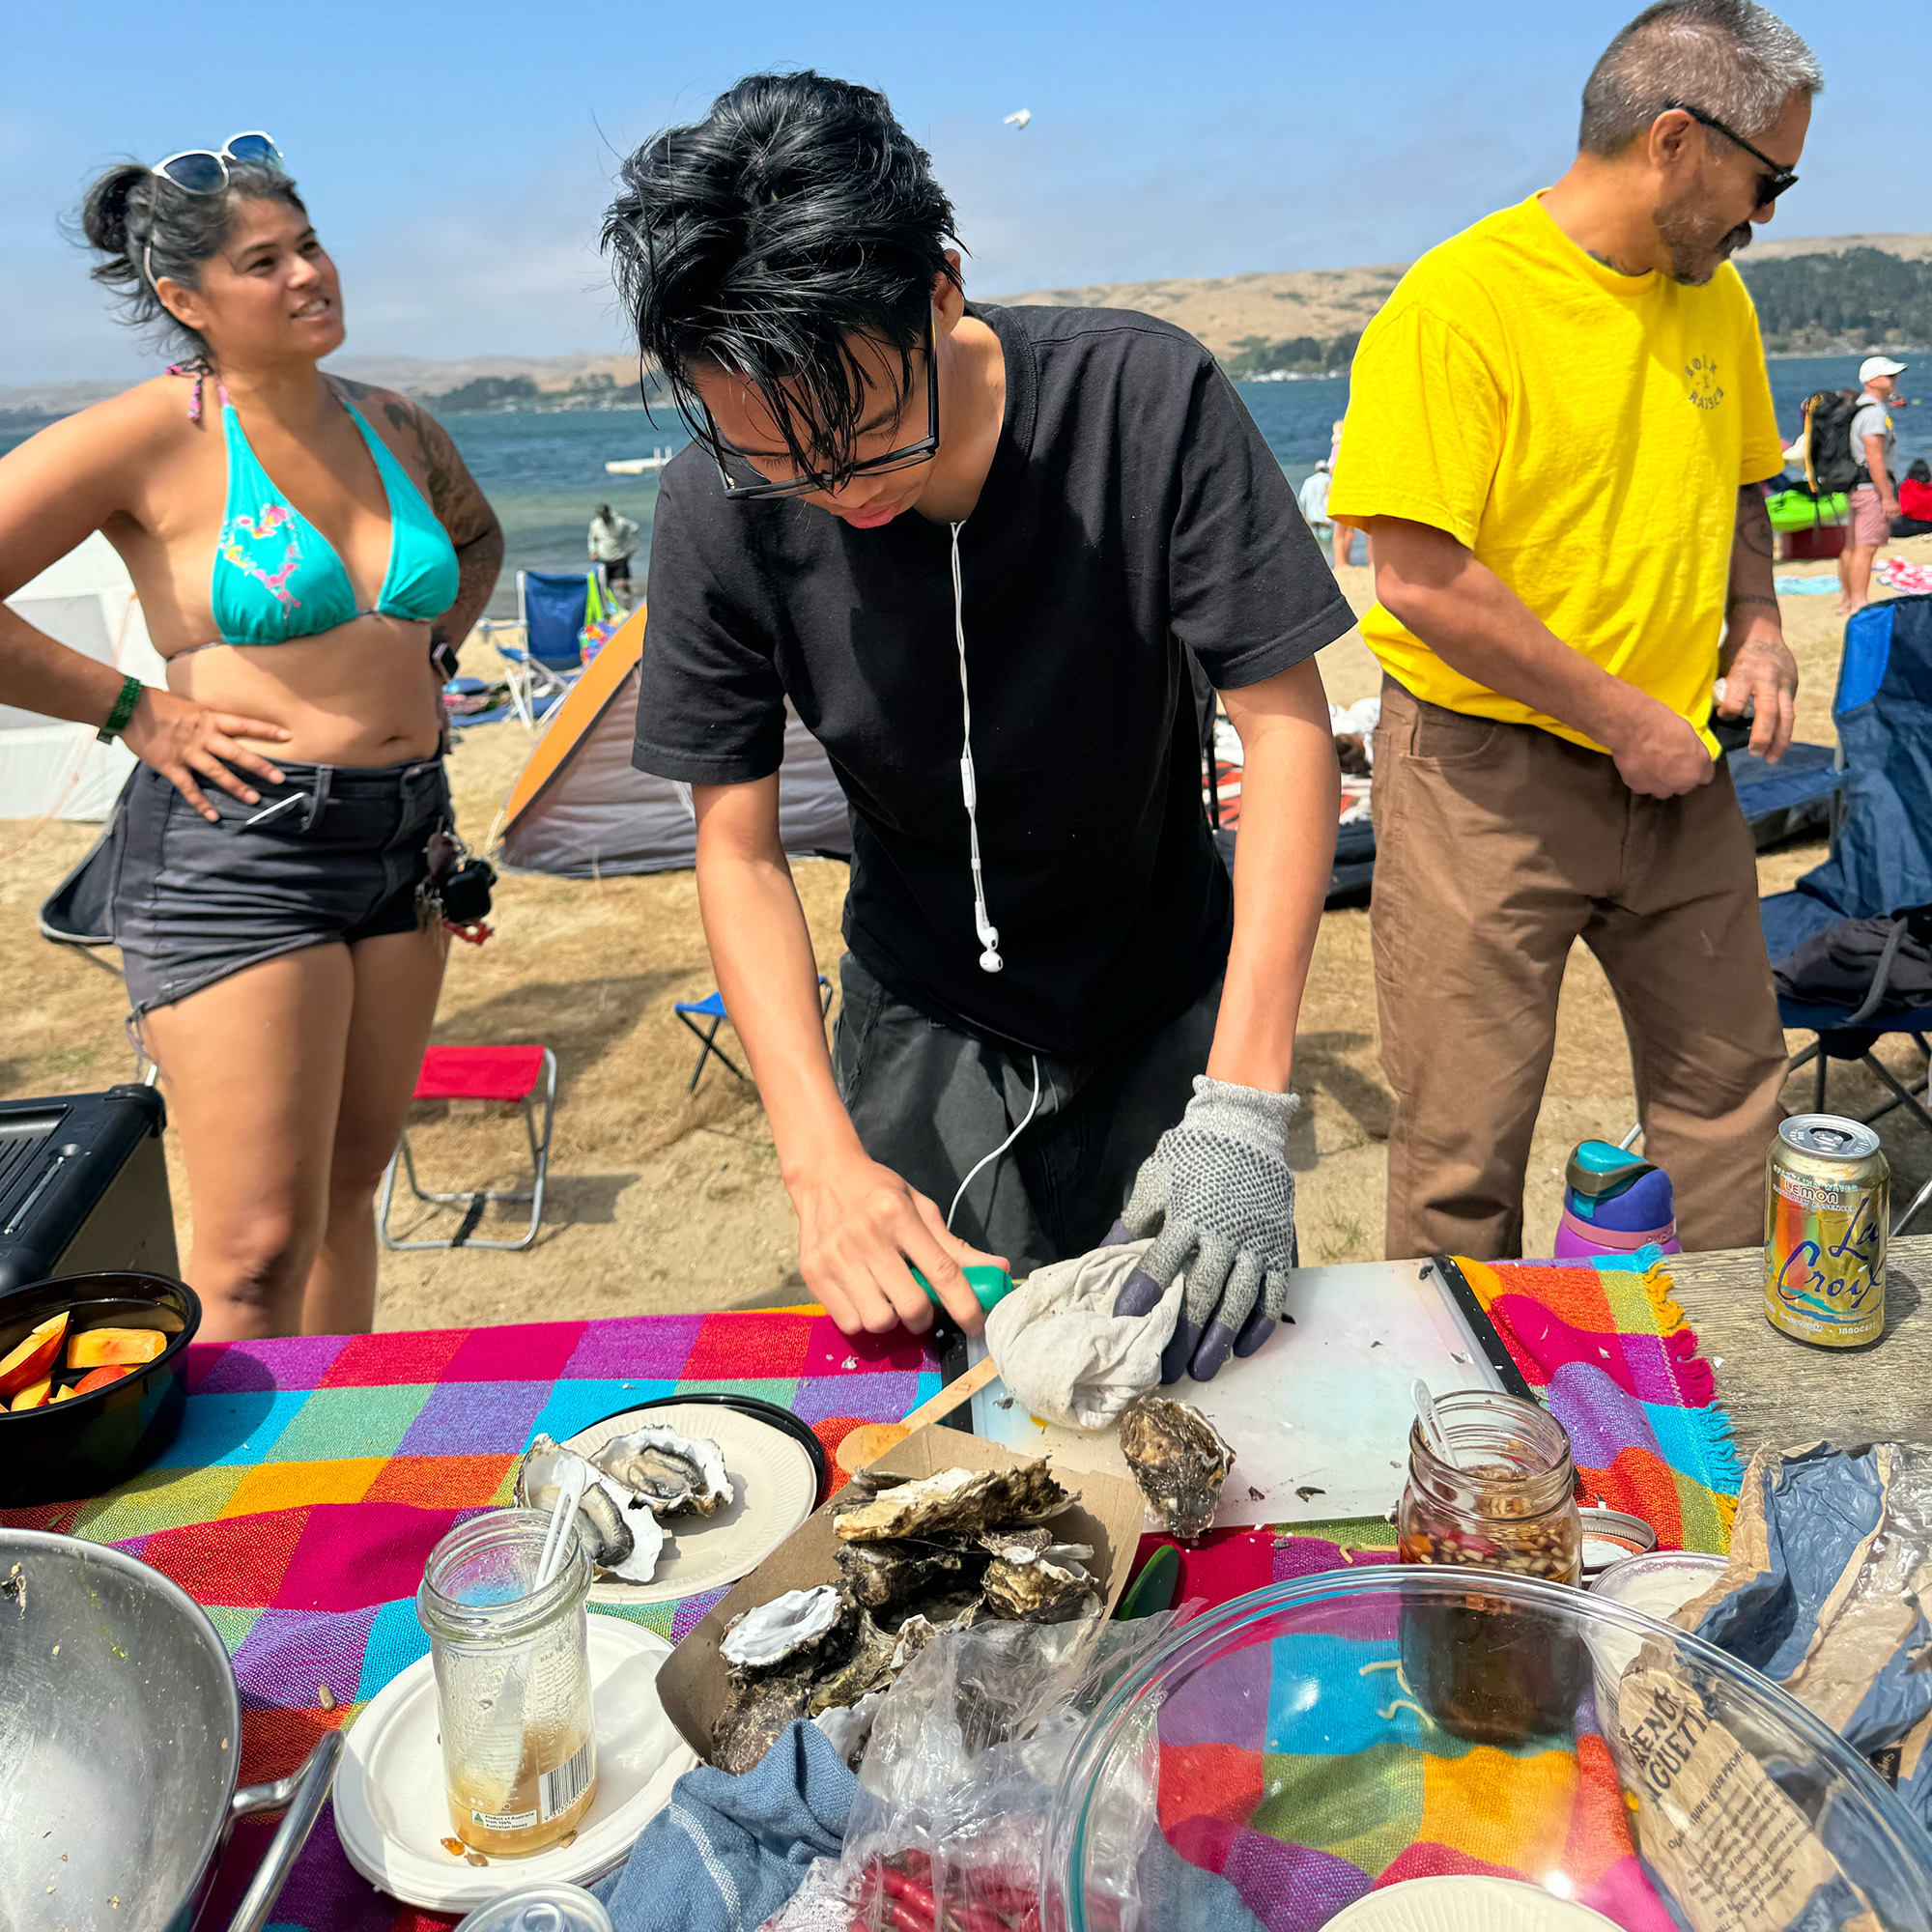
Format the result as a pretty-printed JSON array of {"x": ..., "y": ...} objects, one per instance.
[{"x": 48, "y": 767}]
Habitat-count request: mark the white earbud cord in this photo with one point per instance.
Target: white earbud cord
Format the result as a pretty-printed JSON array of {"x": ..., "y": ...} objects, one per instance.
[
  {"x": 988, "y": 1160},
  {"x": 989, "y": 934}
]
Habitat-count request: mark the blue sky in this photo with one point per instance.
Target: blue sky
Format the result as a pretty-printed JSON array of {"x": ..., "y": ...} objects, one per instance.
[{"x": 457, "y": 156}]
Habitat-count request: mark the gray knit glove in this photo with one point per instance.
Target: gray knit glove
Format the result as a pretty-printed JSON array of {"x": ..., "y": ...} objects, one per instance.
[{"x": 1219, "y": 1189}]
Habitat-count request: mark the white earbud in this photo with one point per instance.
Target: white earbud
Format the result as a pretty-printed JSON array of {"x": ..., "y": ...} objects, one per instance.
[{"x": 969, "y": 789}]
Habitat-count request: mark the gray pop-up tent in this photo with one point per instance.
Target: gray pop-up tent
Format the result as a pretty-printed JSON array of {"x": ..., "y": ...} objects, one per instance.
[{"x": 581, "y": 809}]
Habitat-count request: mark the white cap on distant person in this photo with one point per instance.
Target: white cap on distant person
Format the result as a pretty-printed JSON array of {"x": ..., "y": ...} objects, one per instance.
[{"x": 1879, "y": 365}]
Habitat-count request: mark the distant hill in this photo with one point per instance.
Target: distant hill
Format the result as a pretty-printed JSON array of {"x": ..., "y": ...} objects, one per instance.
[
  {"x": 1287, "y": 319},
  {"x": 1816, "y": 295}
]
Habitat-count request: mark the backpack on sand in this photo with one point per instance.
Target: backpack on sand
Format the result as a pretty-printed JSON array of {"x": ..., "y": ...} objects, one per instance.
[{"x": 1829, "y": 462}]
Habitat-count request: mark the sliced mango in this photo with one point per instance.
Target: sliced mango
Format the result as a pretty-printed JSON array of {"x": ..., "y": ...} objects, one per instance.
[
  {"x": 34, "y": 1395},
  {"x": 93, "y": 1346},
  {"x": 31, "y": 1359}
]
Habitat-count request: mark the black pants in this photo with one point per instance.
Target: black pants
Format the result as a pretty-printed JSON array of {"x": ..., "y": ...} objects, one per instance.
[{"x": 930, "y": 1102}]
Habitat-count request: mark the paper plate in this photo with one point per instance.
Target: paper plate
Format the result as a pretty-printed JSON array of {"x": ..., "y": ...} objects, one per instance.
[
  {"x": 391, "y": 1816},
  {"x": 1467, "y": 1905},
  {"x": 774, "y": 1486}
]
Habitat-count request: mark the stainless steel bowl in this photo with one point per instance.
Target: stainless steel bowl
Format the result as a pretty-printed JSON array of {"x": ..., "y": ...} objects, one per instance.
[{"x": 120, "y": 1732}]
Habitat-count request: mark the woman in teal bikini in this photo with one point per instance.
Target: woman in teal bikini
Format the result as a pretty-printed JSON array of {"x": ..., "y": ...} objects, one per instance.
[{"x": 304, "y": 547}]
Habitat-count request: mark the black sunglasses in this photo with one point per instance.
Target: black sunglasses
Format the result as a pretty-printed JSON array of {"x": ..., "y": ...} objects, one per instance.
[
  {"x": 1772, "y": 183},
  {"x": 911, "y": 454}
]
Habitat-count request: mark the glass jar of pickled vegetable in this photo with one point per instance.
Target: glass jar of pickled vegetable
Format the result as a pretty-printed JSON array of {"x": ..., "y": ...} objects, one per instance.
[
  {"x": 1498, "y": 1491},
  {"x": 512, "y": 1682},
  {"x": 1503, "y": 1499}
]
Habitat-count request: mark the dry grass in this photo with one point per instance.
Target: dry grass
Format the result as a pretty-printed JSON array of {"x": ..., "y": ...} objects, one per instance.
[{"x": 664, "y": 1202}]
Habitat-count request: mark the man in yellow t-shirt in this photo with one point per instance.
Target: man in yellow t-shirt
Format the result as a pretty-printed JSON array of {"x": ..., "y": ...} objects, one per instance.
[{"x": 1555, "y": 431}]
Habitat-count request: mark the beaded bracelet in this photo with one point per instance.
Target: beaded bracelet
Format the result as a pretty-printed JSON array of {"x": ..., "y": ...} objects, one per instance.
[{"x": 124, "y": 709}]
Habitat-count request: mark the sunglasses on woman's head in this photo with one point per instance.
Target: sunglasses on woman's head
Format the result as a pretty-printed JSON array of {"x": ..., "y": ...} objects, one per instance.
[{"x": 205, "y": 171}]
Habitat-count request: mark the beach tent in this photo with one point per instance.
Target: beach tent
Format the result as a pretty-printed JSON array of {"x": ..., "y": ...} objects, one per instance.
[
  {"x": 48, "y": 767},
  {"x": 581, "y": 809}
]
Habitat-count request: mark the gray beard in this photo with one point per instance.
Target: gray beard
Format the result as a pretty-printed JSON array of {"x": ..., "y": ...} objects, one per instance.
[{"x": 1695, "y": 253}]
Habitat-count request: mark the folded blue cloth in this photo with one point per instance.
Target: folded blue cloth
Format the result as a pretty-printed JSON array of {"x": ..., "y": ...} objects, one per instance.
[{"x": 726, "y": 1852}]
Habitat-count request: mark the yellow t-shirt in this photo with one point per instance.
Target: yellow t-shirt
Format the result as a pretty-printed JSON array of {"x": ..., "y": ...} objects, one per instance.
[{"x": 1584, "y": 432}]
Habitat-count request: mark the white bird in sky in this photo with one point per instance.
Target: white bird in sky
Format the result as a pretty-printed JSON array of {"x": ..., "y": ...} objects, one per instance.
[{"x": 1018, "y": 120}]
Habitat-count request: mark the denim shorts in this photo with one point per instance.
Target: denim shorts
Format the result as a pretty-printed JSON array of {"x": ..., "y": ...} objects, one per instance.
[{"x": 333, "y": 855}]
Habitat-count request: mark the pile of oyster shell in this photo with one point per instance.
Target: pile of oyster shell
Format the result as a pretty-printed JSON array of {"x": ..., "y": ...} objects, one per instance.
[
  {"x": 636, "y": 1481},
  {"x": 916, "y": 1557}
]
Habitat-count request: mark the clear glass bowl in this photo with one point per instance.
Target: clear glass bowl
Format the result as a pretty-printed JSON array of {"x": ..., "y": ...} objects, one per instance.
[{"x": 1285, "y": 1754}]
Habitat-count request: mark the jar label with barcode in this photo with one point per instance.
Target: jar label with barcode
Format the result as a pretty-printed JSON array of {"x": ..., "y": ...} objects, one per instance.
[
  {"x": 503, "y": 1821},
  {"x": 559, "y": 1789}
]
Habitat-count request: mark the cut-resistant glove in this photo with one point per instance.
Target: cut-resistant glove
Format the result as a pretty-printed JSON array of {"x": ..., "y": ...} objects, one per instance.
[{"x": 1219, "y": 1189}]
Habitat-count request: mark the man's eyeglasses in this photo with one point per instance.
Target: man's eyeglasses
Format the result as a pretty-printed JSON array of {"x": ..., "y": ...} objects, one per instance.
[
  {"x": 907, "y": 458},
  {"x": 1772, "y": 183},
  {"x": 205, "y": 170}
]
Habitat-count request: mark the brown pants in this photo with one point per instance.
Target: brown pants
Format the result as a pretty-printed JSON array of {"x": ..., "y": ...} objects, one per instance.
[{"x": 1497, "y": 846}]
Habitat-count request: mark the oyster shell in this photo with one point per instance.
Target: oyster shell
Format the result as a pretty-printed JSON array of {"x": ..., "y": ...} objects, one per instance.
[
  {"x": 801, "y": 1626},
  {"x": 935, "y": 1619},
  {"x": 1179, "y": 1460},
  {"x": 755, "y": 1717},
  {"x": 966, "y": 1500},
  {"x": 851, "y": 1726},
  {"x": 620, "y": 1540},
  {"x": 666, "y": 1471},
  {"x": 868, "y": 1668},
  {"x": 876, "y": 1574},
  {"x": 1045, "y": 1584}
]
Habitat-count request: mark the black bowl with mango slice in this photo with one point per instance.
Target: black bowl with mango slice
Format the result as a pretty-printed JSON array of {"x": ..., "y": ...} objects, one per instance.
[{"x": 88, "y": 1399}]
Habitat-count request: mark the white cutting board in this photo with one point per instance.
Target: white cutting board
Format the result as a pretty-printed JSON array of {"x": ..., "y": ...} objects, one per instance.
[{"x": 1323, "y": 1405}]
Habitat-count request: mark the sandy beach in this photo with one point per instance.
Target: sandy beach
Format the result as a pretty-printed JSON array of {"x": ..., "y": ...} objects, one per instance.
[{"x": 664, "y": 1200}]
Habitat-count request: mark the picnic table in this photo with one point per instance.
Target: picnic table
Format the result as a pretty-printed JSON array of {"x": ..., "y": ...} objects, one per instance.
[
  {"x": 1783, "y": 1392},
  {"x": 313, "y": 1476}
]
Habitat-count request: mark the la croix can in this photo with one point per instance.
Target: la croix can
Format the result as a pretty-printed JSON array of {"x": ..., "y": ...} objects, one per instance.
[{"x": 1827, "y": 1204}]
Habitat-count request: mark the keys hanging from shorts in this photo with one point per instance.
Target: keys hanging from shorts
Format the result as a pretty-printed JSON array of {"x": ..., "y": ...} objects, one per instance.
[{"x": 457, "y": 888}]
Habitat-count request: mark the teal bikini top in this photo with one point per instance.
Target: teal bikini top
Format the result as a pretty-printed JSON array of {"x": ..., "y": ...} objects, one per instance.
[{"x": 277, "y": 578}]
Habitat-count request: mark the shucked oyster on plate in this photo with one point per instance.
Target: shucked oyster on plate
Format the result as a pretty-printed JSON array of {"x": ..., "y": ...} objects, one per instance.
[
  {"x": 618, "y": 1539},
  {"x": 1179, "y": 1460},
  {"x": 962, "y": 1502},
  {"x": 667, "y": 1472}
]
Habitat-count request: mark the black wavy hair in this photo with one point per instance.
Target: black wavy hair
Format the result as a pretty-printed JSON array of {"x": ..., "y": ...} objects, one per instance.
[
  {"x": 144, "y": 228},
  {"x": 797, "y": 218}
]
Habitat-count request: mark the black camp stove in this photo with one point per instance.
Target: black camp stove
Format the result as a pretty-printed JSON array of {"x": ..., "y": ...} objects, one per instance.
[{"x": 83, "y": 1186}]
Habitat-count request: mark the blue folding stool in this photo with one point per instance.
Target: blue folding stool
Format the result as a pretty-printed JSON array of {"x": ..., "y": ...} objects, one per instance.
[
  {"x": 711, "y": 1009},
  {"x": 1881, "y": 857}
]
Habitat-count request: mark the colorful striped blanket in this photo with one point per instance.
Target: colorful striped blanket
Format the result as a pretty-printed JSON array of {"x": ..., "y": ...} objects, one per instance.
[
  {"x": 313, "y": 1476},
  {"x": 1606, "y": 1348}
]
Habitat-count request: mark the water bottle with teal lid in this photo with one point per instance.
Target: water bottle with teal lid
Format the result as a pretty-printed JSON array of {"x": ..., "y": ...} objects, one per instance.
[{"x": 1614, "y": 1202}]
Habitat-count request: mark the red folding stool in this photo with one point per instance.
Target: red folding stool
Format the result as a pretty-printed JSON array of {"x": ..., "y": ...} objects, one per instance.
[{"x": 511, "y": 1075}]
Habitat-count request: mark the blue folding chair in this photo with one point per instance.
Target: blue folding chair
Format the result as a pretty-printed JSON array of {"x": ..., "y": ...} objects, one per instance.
[
  {"x": 1881, "y": 857},
  {"x": 553, "y": 611},
  {"x": 711, "y": 1011}
]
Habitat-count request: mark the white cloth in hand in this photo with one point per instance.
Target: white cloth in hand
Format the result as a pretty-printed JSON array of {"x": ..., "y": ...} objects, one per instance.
[{"x": 1065, "y": 1354}]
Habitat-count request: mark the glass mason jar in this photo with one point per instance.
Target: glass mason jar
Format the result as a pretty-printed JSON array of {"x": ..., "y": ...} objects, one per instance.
[
  {"x": 1504, "y": 1499},
  {"x": 512, "y": 1682}
]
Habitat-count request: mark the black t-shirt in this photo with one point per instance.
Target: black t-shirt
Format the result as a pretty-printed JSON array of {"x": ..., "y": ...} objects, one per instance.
[{"x": 1132, "y": 507}]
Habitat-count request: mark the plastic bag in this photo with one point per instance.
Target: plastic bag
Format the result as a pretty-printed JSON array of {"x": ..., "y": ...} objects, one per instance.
[{"x": 948, "y": 1832}]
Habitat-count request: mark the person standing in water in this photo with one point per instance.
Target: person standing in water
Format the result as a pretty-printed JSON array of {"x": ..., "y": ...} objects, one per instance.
[
  {"x": 613, "y": 542},
  {"x": 306, "y": 550}
]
